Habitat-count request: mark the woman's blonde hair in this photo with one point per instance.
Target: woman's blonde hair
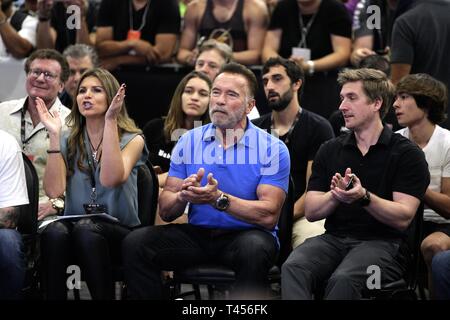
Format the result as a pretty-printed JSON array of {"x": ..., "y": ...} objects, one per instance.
[
  {"x": 77, "y": 122},
  {"x": 175, "y": 116}
]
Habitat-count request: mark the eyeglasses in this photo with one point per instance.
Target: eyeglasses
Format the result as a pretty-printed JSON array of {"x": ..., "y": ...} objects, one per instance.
[{"x": 35, "y": 73}]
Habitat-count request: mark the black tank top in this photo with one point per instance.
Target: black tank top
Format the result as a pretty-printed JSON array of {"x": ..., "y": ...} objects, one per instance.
[{"x": 236, "y": 26}]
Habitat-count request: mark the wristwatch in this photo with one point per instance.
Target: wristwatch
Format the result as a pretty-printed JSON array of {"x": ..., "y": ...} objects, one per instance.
[
  {"x": 222, "y": 202},
  {"x": 57, "y": 204},
  {"x": 365, "y": 200}
]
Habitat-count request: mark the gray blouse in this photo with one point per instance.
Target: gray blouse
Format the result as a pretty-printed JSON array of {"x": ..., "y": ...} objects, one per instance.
[{"x": 121, "y": 202}]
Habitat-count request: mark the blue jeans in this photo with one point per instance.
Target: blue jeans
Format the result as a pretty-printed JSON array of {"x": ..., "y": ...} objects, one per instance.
[
  {"x": 440, "y": 268},
  {"x": 12, "y": 264}
]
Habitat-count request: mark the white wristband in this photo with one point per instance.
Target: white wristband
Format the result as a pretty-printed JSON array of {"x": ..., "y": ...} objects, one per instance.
[{"x": 310, "y": 64}]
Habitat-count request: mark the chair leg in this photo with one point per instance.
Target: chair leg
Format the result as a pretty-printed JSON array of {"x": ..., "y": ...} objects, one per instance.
[
  {"x": 197, "y": 293},
  {"x": 76, "y": 294},
  {"x": 211, "y": 292}
]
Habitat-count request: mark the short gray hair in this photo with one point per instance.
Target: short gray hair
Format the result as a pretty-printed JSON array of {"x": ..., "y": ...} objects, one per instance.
[{"x": 79, "y": 51}]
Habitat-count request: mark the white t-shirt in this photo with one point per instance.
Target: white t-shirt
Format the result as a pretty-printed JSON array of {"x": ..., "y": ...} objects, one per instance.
[
  {"x": 13, "y": 184},
  {"x": 437, "y": 154},
  {"x": 37, "y": 140},
  {"x": 27, "y": 31}
]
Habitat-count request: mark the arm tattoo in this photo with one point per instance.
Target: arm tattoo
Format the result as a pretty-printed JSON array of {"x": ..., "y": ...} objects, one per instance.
[{"x": 9, "y": 217}]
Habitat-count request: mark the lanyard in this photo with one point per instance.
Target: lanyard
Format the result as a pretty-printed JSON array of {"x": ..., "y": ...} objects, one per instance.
[
  {"x": 305, "y": 30},
  {"x": 22, "y": 129},
  {"x": 144, "y": 16},
  {"x": 92, "y": 168},
  {"x": 291, "y": 129}
]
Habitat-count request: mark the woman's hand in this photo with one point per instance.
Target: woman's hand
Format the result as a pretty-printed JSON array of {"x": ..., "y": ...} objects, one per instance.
[
  {"x": 52, "y": 122},
  {"x": 116, "y": 104}
]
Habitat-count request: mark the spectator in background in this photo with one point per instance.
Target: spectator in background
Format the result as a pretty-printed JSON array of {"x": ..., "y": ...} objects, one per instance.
[
  {"x": 301, "y": 130},
  {"x": 17, "y": 31},
  {"x": 57, "y": 27},
  {"x": 242, "y": 24},
  {"x": 13, "y": 192},
  {"x": 80, "y": 57},
  {"x": 47, "y": 71},
  {"x": 321, "y": 31},
  {"x": 420, "y": 106},
  {"x": 189, "y": 104},
  {"x": 370, "y": 39},
  {"x": 131, "y": 32},
  {"x": 421, "y": 42},
  {"x": 211, "y": 57},
  {"x": 188, "y": 109}
]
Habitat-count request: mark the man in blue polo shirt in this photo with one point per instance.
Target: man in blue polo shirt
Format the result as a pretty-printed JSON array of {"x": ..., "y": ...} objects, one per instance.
[{"x": 235, "y": 178}]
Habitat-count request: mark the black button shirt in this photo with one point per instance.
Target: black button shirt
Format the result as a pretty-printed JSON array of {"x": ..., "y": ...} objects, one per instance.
[{"x": 393, "y": 164}]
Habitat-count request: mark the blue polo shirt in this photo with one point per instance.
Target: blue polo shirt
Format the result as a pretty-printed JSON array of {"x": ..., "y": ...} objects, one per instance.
[{"x": 257, "y": 158}]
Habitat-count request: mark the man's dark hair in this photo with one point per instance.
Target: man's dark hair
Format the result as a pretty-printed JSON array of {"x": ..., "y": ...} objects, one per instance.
[
  {"x": 376, "y": 61},
  {"x": 293, "y": 71},
  {"x": 236, "y": 68},
  {"x": 431, "y": 95},
  {"x": 49, "y": 54}
]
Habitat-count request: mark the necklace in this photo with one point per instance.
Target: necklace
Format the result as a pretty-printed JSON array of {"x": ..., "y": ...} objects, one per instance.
[
  {"x": 95, "y": 150},
  {"x": 144, "y": 16}
]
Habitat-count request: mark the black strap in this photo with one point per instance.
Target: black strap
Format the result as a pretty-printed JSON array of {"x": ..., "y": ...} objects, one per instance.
[
  {"x": 22, "y": 128},
  {"x": 291, "y": 129}
]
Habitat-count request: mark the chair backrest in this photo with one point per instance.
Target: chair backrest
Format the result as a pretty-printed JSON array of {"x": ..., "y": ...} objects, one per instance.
[
  {"x": 285, "y": 223},
  {"x": 414, "y": 240},
  {"x": 28, "y": 213},
  {"x": 148, "y": 191}
]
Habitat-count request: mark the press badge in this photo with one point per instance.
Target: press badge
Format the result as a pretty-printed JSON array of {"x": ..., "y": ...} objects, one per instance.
[
  {"x": 304, "y": 53},
  {"x": 133, "y": 34}
]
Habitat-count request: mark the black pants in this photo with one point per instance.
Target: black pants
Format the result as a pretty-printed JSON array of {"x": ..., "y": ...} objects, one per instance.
[
  {"x": 92, "y": 244},
  {"x": 341, "y": 264},
  {"x": 147, "y": 251}
]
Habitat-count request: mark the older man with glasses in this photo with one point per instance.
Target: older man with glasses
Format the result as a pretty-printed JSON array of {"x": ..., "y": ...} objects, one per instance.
[{"x": 47, "y": 71}]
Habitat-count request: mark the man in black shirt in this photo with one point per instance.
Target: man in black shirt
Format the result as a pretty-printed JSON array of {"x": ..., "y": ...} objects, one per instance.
[
  {"x": 301, "y": 130},
  {"x": 366, "y": 219},
  {"x": 136, "y": 32},
  {"x": 64, "y": 23}
]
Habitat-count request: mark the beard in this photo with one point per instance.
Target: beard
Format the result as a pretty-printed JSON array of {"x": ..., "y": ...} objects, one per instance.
[{"x": 282, "y": 102}]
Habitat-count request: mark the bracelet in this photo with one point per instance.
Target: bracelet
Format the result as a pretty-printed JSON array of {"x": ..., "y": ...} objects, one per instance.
[
  {"x": 43, "y": 19},
  {"x": 53, "y": 151},
  {"x": 310, "y": 64}
]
